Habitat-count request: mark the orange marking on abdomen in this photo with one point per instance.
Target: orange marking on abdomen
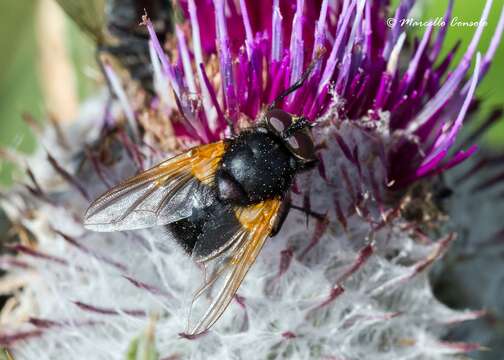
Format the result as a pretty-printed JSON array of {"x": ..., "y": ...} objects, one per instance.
[
  {"x": 253, "y": 215},
  {"x": 208, "y": 158}
]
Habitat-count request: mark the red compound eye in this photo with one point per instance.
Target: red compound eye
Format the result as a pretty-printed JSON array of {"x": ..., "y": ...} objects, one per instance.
[
  {"x": 300, "y": 143},
  {"x": 278, "y": 120}
]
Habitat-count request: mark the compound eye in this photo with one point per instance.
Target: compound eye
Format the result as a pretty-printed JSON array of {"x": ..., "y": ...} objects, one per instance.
[
  {"x": 293, "y": 142},
  {"x": 278, "y": 120},
  {"x": 301, "y": 145}
]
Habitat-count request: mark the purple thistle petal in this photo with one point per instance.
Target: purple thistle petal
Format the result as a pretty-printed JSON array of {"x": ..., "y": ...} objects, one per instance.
[
  {"x": 494, "y": 43},
  {"x": 384, "y": 90},
  {"x": 368, "y": 31},
  {"x": 458, "y": 158},
  {"x": 160, "y": 81},
  {"x": 438, "y": 45},
  {"x": 186, "y": 62},
  {"x": 334, "y": 57},
  {"x": 363, "y": 58},
  {"x": 276, "y": 33},
  {"x": 413, "y": 67},
  {"x": 489, "y": 55},
  {"x": 212, "y": 96},
  {"x": 167, "y": 67},
  {"x": 320, "y": 35},
  {"x": 198, "y": 55},
  {"x": 401, "y": 13},
  {"x": 248, "y": 28},
  {"x": 297, "y": 46},
  {"x": 446, "y": 141},
  {"x": 449, "y": 88},
  {"x": 347, "y": 55},
  {"x": 190, "y": 115},
  {"x": 226, "y": 64},
  {"x": 123, "y": 99}
]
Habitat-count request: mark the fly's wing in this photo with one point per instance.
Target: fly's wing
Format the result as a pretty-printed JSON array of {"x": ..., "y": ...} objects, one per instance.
[
  {"x": 89, "y": 16},
  {"x": 158, "y": 196},
  {"x": 226, "y": 267}
]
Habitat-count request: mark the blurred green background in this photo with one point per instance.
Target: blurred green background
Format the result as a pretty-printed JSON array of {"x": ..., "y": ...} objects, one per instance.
[{"x": 20, "y": 90}]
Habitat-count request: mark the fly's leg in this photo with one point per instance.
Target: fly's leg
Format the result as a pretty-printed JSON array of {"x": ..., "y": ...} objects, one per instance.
[
  {"x": 308, "y": 212},
  {"x": 284, "y": 211}
]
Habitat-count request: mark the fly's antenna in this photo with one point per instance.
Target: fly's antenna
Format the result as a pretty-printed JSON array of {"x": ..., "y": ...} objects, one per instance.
[
  {"x": 300, "y": 81},
  {"x": 297, "y": 125}
]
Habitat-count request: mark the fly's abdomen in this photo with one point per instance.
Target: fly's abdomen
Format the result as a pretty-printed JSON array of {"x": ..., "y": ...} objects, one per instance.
[{"x": 207, "y": 231}]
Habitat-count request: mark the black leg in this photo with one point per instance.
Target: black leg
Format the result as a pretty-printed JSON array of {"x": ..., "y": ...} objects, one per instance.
[
  {"x": 284, "y": 211},
  {"x": 282, "y": 215},
  {"x": 308, "y": 212}
]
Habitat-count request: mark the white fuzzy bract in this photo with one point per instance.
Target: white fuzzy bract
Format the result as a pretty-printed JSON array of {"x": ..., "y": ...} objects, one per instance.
[{"x": 358, "y": 292}]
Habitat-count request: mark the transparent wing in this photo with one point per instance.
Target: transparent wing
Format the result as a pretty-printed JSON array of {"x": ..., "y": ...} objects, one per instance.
[
  {"x": 89, "y": 16},
  {"x": 160, "y": 195},
  {"x": 225, "y": 269}
]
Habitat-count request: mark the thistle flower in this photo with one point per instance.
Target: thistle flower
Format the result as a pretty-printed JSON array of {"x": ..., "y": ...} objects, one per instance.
[{"x": 351, "y": 286}]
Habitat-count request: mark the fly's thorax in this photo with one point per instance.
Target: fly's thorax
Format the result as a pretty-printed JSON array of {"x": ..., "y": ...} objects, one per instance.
[{"x": 256, "y": 166}]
